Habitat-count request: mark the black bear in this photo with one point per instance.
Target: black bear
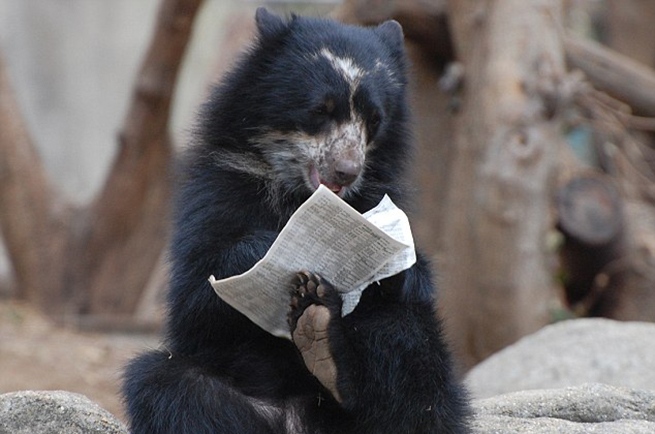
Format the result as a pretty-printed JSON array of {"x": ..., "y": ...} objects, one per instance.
[{"x": 312, "y": 102}]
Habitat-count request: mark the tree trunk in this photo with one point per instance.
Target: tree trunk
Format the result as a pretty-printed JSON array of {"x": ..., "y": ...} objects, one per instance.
[
  {"x": 498, "y": 274},
  {"x": 97, "y": 259}
]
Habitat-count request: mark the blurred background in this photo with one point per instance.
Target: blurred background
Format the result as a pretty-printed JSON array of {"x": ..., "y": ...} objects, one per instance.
[{"x": 534, "y": 173}]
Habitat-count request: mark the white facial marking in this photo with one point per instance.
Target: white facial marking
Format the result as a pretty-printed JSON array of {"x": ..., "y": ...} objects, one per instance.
[
  {"x": 346, "y": 137},
  {"x": 291, "y": 154},
  {"x": 348, "y": 69},
  {"x": 346, "y": 66}
]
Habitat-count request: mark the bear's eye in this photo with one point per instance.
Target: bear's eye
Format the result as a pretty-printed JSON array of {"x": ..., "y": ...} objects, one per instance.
[
  {"x": 374, "y": 124},
  {"x": 375, "y": 119},
  {"x": 325, "y": 108}
]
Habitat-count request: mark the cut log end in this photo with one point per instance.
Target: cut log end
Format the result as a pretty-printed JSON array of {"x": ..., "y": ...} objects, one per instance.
[{"x": 590, "y": 211}]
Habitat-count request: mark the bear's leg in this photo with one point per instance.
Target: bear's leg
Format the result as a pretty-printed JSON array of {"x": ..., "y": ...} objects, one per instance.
[{"x": 170, "y": 394}]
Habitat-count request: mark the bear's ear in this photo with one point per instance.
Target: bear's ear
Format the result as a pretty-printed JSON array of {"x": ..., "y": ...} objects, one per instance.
[
  {"x": 391, "y": 32},
  {"x": 268, "y": 24}
]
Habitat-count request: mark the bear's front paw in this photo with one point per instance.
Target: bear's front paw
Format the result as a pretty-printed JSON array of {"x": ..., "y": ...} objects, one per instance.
[
  {"x": 311, "y": 289},
  {"x": 309, "y": 318}
]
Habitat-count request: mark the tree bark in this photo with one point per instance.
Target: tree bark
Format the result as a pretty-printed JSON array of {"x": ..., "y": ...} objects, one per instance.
[
  {"x": 98, "y": 258},
  {"x": 498, "y": 276}
]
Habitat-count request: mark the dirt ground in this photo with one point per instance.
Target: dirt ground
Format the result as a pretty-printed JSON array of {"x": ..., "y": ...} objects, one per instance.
[{"x": 37, "y": 355}]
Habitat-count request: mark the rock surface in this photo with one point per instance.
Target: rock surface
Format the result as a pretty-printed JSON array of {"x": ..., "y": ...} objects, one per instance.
[
  {"x": 571, "y": 353},
  {"x": 592, "y": 408},
  {"x": 36, "y": 412}
]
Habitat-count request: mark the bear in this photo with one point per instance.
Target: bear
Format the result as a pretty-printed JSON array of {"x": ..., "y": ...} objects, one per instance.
[{"x": 311, "y": 102}]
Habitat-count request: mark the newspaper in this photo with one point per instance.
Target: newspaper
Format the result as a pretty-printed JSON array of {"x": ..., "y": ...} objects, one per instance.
[{"x": 329, "y": 237}]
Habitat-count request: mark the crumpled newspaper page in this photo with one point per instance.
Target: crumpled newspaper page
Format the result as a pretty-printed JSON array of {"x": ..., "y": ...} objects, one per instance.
[{"x": 326, "y": 236}]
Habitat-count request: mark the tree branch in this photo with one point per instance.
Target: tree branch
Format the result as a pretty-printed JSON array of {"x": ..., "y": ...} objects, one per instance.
[
  {"x": 145, "y": 130},
  {"x": 618, "y": 75},
  {"x": 131, "y": 212},
  {"x": 26, "y": 199}
]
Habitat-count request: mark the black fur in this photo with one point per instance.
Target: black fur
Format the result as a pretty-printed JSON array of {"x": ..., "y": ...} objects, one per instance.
[{"x": 217, "y": 371}]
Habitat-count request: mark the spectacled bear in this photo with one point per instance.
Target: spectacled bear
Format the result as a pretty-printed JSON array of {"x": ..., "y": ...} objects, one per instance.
[{"x": 312, "y": 102}]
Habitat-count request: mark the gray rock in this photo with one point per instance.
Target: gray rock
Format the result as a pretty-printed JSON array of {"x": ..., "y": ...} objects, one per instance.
[
  {"x": 36, "y": 412},
  {"x": 592, "y": 408},
  {"x": 571, "y": 353}
]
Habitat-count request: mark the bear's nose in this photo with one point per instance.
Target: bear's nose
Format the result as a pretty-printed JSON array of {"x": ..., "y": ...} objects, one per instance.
[{"x": 347, "y": 171}]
